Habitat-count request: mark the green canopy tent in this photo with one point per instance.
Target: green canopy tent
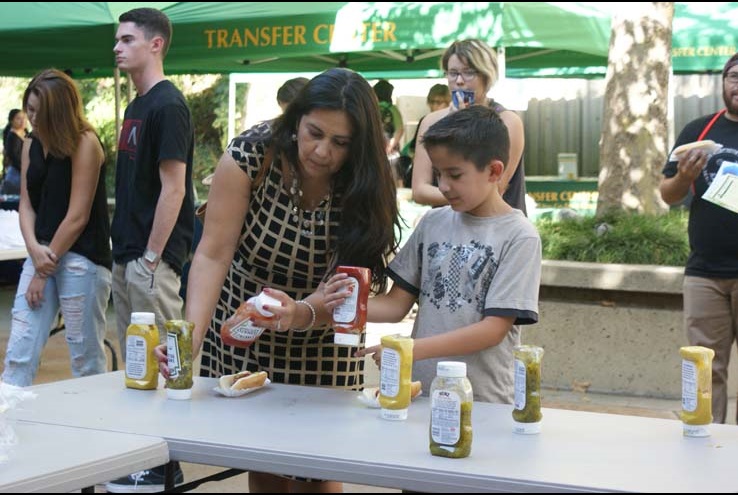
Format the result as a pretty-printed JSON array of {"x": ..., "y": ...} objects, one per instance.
[
  {"x": 75, "y": 36},
  {"x": 391, "y": 39},
  {"x": 705, "y": 35},
  {"x": 394, "y": 39}
]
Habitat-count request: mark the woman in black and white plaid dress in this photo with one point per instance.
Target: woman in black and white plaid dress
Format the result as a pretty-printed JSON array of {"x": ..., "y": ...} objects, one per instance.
[{"x": 293, "y": 199}]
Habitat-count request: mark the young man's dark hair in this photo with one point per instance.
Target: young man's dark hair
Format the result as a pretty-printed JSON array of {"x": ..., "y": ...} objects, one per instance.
[{"x": 152, "y": 22}]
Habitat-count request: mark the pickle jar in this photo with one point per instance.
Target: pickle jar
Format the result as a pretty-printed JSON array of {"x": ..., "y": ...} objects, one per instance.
[
  {"x": 179, "y": 358},
  {"x": 142, "y": 336},
  {"x": 696, "y": 411},
  {"x": 451, "y": 406},
  {"x": 395, "y": 376},
  {"x": 527, "y": 412}
]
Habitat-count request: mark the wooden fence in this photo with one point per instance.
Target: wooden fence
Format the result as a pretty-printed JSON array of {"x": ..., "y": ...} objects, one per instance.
[{"x": 574, "y": 126}]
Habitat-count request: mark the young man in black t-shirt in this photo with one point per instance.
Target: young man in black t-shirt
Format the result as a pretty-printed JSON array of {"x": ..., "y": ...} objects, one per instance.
[{"x": 154, "y": 206}]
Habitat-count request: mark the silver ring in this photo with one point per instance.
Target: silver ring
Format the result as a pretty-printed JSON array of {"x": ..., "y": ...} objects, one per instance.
[{"x": 279, "y": 324}]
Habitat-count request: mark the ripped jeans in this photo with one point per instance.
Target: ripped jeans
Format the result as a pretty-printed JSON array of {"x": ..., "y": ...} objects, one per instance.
[{"x": 82, "y": 290}]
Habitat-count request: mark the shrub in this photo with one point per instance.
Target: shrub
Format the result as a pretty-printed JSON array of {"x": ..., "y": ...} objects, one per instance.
[{"x": 618, "y": 238}]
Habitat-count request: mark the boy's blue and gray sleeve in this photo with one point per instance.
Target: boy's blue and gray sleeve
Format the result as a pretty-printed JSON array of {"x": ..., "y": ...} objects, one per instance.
[{"x": 514, "y": 288}]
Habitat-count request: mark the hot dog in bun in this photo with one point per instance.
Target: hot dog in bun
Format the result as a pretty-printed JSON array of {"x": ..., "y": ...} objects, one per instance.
[
  {"x": 707, "y": 145},
  {"x": 242, "y": 380}
]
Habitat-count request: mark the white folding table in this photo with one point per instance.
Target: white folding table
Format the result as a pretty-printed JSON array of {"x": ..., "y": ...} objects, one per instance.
[
  {"x": 328, "y": 434},
  {"x": 50, "y": 458}
]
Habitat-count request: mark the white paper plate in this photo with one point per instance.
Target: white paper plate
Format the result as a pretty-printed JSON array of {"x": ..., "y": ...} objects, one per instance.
[
  {"x": 369, "y": 398},
  {"x": 238, "y": 393}
]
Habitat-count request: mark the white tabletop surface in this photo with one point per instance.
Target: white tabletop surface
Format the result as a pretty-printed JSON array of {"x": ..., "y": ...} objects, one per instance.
[
  {"x": 13, "y": 254},
  {"x": 51, "y": 458},
  {"x": 324, "y": 433}
]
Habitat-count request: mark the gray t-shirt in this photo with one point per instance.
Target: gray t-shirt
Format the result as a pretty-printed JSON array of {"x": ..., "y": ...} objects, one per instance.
[{"x": 464, "y": 268}]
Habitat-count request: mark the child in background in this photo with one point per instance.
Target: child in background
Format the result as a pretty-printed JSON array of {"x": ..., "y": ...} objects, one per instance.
[{"x": 473, "y": 266}]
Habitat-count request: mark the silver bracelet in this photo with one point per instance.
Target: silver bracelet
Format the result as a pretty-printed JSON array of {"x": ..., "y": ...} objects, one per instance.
[{"x": 312, "y": 313}]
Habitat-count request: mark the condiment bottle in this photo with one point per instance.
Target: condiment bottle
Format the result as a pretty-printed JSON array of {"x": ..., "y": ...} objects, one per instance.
[
  {"x": 239, "y": 330},
  {"x": 451, "y": 407},
  {"x": 142, "y": 336},
  {"x": 696, "y": 390},
  {"x": 349, "y": 319},
  {"x": 179, "y": 358},
  {"x": 527, "y": 413},
  {"x": 395, "y": 376}
]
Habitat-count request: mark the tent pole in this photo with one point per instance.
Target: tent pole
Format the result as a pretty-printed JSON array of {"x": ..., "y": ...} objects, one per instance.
[
  {"x": 501, "y": 63},
  {"x": 129, "y": 89},
  {"x": 116, "y": 76},
  {"x": 231, "y": 107}
]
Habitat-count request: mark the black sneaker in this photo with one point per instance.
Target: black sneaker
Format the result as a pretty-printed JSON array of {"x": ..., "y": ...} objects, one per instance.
[{"x": 148, "y": 481}]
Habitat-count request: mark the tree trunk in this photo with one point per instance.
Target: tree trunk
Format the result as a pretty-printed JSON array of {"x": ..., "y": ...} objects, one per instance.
[{"x": 633, "y": 144}]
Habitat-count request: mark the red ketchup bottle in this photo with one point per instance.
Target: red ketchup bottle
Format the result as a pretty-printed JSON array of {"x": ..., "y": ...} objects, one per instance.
[
  {"x": 349, "y": 319},
  {"x": 239, "y": 330}
]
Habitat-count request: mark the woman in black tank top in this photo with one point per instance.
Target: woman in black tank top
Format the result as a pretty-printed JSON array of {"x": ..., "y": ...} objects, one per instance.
[{"x": 65, "y": 225}]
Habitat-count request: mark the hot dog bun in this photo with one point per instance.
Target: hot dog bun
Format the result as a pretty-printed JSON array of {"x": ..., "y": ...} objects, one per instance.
[
  {"x": 415, "y": 389},
  {"x": 708, "y": 145},
  {"x": 242, "y": 380}
]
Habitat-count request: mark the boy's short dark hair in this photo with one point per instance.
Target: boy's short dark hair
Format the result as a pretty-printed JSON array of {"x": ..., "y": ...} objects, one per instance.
[
  {"x": 152, "y": 22},
  {"x": 477, "y": 133}
]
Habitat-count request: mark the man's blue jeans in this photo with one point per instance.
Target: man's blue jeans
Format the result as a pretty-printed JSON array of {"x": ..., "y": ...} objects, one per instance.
[{"x": 82, "y": 290}]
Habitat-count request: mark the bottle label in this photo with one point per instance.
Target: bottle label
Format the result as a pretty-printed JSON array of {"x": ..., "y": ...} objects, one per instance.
[
  {"x": 173, "y": 359},
  {"x": 346, "y": 312},
  {"x": 520, "y": 379},
  {"x": 445, "y": 416},
  {"x": 136, "y": 356},
  {"x": 389, "y": 379},
  {"x": 246, "y": 331},
  {"x": 689, "y": 386}
]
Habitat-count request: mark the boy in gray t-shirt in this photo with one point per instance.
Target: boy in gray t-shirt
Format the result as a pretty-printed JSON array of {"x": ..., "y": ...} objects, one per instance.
[{"x": 474, "y": 266}]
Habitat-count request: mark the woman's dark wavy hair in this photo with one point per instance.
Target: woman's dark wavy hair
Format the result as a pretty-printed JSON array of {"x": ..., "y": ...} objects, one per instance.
[{"x": 369, "y": 218}]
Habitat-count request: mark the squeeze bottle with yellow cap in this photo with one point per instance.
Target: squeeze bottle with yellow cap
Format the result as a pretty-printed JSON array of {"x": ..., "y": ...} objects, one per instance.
[
  {"x": 142, "y": 336},
  {"x": 696, "y": 390},
  {"x": 395, "y": 376}
]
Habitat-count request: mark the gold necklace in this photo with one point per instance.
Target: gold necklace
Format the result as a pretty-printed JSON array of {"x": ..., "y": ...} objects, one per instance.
[{"x": 307, "y": 220}]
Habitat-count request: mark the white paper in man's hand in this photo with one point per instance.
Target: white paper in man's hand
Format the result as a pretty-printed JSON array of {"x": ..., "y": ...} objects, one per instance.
[{"x": 724, "y": 188}]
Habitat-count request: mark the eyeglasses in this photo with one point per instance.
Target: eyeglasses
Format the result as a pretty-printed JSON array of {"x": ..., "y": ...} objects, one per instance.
[
  {"x": 466, "y": 74},
  {"x": 438, "y": 102},
  {"x": 732, "y": 77}
]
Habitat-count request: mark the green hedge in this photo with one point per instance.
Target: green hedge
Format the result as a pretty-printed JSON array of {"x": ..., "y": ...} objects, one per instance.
[{"x": 618, "y": 238}]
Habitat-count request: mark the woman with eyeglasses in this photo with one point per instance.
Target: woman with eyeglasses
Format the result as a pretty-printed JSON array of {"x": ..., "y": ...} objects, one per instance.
[{"x": 471, "y": 69}]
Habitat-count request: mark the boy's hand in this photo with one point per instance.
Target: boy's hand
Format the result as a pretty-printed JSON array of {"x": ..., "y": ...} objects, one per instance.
[
  {"x": 336, "y": 290},
  {"x": 374, "y": 351}
]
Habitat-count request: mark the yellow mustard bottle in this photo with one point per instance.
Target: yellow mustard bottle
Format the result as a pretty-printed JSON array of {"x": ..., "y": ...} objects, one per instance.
[
  {"x": 395, "y": 376},
  {"x": 696, "y": 390},
  {"x": 142, "y": 336}
]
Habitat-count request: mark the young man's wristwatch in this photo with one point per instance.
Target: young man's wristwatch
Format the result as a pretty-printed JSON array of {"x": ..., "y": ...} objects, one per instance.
[{"x": 151, "y": 256}]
